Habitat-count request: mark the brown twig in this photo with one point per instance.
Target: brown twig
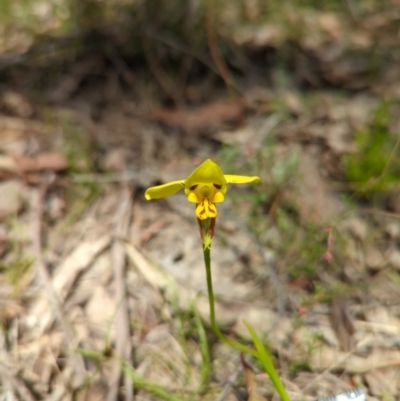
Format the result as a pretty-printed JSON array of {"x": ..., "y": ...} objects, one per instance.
[
  {"x": 334, "y": 365},
  {"x": 11, "y": 384},
  {"x": 212, "y": 45},
  {"x": 123, "y": 344},
  {"x": 120, "y": 65},
  {"x": 106, "y": 178},
  {"x": 43, "y": 276},
  {"x": 161, "y": 77},
  {"x": 173, "y": 44},
  {"x": 229, "y": 384},
  {"x": 16, "y": 384},
  {"x": 251, "y": 383}
]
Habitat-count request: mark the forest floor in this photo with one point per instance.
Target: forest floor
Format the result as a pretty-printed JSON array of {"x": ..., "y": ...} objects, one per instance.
[{"x": 103, "y": 295}]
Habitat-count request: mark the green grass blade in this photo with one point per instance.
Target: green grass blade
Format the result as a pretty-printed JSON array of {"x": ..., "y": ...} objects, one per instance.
[
  {"x": 266, "y": 362},
  {"x": 150, "y": 387},
  {"x": 204, "y": 349}
]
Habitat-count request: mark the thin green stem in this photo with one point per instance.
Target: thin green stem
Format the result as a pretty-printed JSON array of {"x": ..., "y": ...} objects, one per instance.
[
  {"x": 260, "y": 353},
  {"x": 214, "y": 326}
]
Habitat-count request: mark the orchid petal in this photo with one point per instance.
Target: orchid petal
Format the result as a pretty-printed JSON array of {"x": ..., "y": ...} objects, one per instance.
[
  {"x": 162, "y": 191},
  {"x": 206, "y": 210},
  {"x": 240, "y": 179},
  {"x": 192, "y": 197},
  {"x": 218, "y": 197}
]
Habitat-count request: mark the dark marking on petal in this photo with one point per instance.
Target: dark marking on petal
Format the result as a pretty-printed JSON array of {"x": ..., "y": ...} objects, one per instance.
[
  {"x": 211, "y": 208},
  {"x": 193, "y": 187},
  {"x": 217, "y": 186}
]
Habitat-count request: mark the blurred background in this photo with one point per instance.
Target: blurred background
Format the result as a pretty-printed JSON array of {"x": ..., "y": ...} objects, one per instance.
[{"x": 102, "y": 294}]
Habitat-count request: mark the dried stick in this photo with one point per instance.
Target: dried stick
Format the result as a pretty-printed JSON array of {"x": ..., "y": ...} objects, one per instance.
[
  {"x": 106, "y": 178},
  {"x": 162, "y": 78},
  {"x": 123, "y": 343},
  {"x": 212, "y": 45},
  {"x": 14, "y": 385},
  {"x": 37, "y": 201},
  {"x": 230, "y": 383}
]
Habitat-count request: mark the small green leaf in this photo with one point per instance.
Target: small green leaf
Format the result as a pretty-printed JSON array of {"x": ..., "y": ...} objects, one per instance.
[{"x": 266, "y": 361}]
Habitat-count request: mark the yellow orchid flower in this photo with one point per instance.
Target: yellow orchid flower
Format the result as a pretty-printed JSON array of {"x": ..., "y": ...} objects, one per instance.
[{"x": 205, "y": 186}]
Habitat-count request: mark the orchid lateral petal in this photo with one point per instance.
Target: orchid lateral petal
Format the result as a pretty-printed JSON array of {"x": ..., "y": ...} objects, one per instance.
[
  {"x": 162, "y": 191},
  {"x": 218, "y": 197},
  {"x": 192, "y": 197},
  {"x": 240, "y": 179}
]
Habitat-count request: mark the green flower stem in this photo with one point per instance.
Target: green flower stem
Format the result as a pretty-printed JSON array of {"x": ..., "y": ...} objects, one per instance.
[
  {"x": 260, "y": 353},
  {"x": 214, "y": 326}
]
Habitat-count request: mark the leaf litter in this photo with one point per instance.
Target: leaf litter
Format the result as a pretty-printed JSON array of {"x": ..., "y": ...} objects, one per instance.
[{"x": 115, "y": 283}]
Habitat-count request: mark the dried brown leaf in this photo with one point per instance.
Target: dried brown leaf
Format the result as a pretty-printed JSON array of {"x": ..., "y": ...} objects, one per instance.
[
  {"x": 313, "y": 195},
  {"x": 382, "y": 381},
  {"x": 341, "y": 322},
  {"x": 203, "y": 118},
  {"x": 16, "y": 104},
  {"x": 154, "y": 276},
  {"x": 251, "y": 383},
  {"x": 11, "y": 198},
  {"x": 330, "y": 358},
  {"x": 45, "y": 161},
  {"x": 8, "y": 164},
  {"x": 17, "y": 129}
]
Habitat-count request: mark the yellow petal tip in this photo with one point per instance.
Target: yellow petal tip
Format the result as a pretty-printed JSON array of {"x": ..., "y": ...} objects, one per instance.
[
  {"x": 241, "y": 179},
  {"x": 164, "y": 190}
]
